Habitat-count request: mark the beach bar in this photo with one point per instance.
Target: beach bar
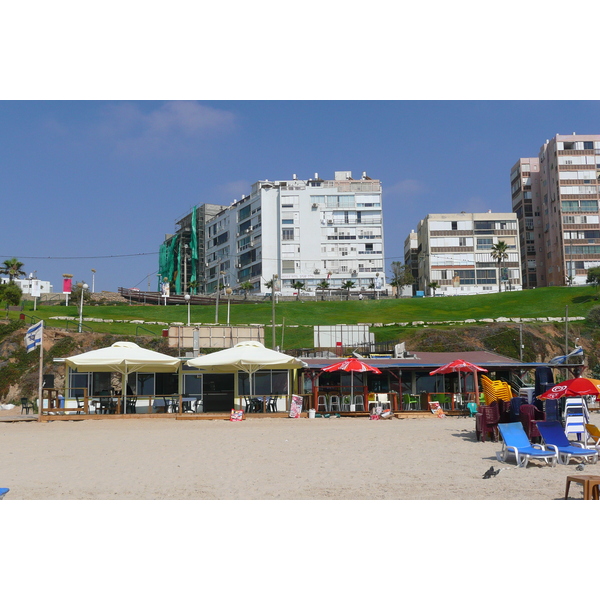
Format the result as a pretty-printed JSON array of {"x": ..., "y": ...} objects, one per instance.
[{"x": 179, "y": 388}]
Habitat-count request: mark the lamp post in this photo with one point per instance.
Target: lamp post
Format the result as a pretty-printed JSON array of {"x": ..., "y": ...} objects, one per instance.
[
  {"x": 273, "y": 309},
  {"x": 93, "y": 278},
  {"x": 187, "y": 299},
  {"x": 228, "y": 292},
  {"x": 83, "y": 287}
]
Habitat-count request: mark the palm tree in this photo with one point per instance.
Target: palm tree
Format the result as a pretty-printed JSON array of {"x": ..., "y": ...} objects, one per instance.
[
  {"x": 246, "y": 286},
  {"x": 324, "y": 285},
  {"x": 298, "y": 286},
  {"x": 499, "y": 253},
  {"x": 434, "y": 285},
  {"x": 348, "y": 285},
  {"x": 12, "y": 268}
]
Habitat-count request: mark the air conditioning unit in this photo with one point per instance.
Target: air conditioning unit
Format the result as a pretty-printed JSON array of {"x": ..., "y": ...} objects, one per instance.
[
  {"x": 315, "y": 205},
  {"x": 354, "y": 272},
  {"x": 247, "y": 230},
  {"x": 251, "y": 228},
  {"x": 330, "y": 221}
]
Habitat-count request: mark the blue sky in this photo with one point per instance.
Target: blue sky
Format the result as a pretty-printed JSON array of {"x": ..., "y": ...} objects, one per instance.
[{"x": 104, "y": 179}]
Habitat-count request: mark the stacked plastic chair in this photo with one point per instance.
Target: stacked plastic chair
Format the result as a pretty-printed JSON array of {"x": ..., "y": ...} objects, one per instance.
[
  {"x": 496, "y": 390},
  {"x": 575, "y": 416}
]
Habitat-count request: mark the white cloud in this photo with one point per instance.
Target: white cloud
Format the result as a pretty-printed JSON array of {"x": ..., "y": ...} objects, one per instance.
[
  {"x": 232, "y": 190},
  {"x": 174, "y": 126},
  {"x": 406, "y": 187}
]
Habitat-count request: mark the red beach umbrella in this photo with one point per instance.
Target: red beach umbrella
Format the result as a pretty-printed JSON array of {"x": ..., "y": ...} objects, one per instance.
[
  {"x": 459, "y": 366},
  {"x": 351, "y": 365},
  {"x": 580, "y": 386}
]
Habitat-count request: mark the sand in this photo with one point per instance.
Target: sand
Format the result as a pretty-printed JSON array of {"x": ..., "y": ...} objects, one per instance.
[{"x": 267, "y": 459}]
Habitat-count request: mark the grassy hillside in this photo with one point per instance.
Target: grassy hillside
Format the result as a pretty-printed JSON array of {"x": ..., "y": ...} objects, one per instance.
[{"x": 299, "y": 316}]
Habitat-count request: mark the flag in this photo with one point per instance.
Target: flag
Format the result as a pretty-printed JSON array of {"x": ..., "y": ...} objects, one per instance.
[
  {"x": 33, "y": 337},
  {"x": 560, "y": 360}
]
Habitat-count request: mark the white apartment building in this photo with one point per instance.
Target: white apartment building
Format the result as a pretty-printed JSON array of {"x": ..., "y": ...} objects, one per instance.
[
  {"x": 28, "y": 285},
  {"x": 555, "y": 197},
  {"x": 298, "y": 230},
  {"x": 455, "y": 251}
]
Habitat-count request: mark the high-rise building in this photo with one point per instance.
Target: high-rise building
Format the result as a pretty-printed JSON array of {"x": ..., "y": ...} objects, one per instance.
[
  {"x": 456, "y": 252},
  {"x": 411, "y": 255},
  {"x": 555, "y": 198},
  {"x": 294, "y": 231}
]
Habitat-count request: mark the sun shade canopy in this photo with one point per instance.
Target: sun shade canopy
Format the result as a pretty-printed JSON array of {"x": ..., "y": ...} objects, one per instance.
[
  {"x": 249, "y": 356},
  {"x": 124, "y": 357}
]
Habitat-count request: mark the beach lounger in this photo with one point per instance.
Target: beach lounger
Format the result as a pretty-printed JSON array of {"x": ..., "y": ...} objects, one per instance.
[
  {"x": 556, "y": 439},
  {"x": 515, "y": 442},
  {"x": 3, "y": 492}
]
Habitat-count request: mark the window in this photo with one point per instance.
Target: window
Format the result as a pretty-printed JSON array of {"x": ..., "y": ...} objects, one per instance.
[
  {"x": 484, "y": 243},
  {"x": 287, "y": 234},
  {"x": 287, "y": 266},
  {"x": 588, "y": 145},
  {"x": 287, "y": 221},
  {"x": 454, "y": 226}
]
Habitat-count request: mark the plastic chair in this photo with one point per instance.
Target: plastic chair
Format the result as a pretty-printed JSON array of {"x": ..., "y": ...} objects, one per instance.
[
  {"x": 515, "y": 408},
  {"x": 576, "y": 416},
  {"x": 593, "y": 436},
  {"x": 131, "y": 405},
  {"x": 530, "y": 417},
  {"x": 26, "y": 405},
  {"x": 272, "y": 404},
  {"x": 322, "y": 401},
  {"x": 384, "y": 401},
  {"x": 410, "y": 402},
  {"x": 515, "y": 442},
  {"x": 334, "y": 401},
  {"x": 472, "y": 407},
  {"x": 552, "y": 411},
  {"x": 556, "y": 439},
  {"x": 359, "y": 401},
  {"x": 486, "y": 422}
]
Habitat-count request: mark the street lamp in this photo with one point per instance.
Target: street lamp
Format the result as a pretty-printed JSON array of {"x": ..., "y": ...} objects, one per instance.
[
  {"x": 83, "y": 288},
  {"x": 93, "y": 278},
  {"x": 273, "y": 308},
  {"x": 187, "y": 299},
  {"x": 228, "y": 291}
]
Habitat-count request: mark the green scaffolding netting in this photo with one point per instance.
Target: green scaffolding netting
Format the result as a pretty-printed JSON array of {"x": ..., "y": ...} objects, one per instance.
[
  {"x": 167, "y": 262},
  {"x": 194, "y": 248}
]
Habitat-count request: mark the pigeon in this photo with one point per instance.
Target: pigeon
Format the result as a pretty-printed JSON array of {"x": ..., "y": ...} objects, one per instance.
[
  {"x": 579, "y": 467},
  {"x": 491, "y": 472}
]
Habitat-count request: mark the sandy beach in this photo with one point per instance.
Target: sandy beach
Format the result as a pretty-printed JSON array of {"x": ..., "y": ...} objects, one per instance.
[{"x": 267, "y": 459}]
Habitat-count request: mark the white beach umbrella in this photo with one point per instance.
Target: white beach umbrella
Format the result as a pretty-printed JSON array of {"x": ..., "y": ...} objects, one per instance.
[
  {"x": 249, "y": 356},
  {"x": 125, "y": 358}
]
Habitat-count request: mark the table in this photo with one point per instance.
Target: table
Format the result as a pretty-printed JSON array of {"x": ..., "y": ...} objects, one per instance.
[{"x": 589, "y": 482}]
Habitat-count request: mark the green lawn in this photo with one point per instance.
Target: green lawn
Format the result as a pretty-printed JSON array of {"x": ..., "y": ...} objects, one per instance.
[{"x": 541, "y": 302}]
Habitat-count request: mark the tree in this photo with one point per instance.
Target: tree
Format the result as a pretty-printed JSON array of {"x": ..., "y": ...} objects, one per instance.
[
  {"x": 500, "y": 254},
  {"x": 246, "y": 286},
  {"x": 401, "y": 276},
  {"x": 76, "y": 292},
  {"x": 12, "y": 268},
  {"x": 348, "y": 285},
  {"x": 10, "y": 293},
  {"x": 434, "y": 285},
  {"x": 323, "y": 285},
  {"x": 593, "y": 276},
  {"x": 298, "y": 286}
]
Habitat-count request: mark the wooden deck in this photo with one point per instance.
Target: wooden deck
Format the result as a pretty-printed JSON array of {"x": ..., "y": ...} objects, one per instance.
[{"x": 214, "y": 416}]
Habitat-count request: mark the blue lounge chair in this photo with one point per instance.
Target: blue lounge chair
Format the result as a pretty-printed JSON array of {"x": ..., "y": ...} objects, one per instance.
[
  {"x": 556, "y": 439},
  {"x": 3, "y": 492},
  {"x": 514, "y": 441}
]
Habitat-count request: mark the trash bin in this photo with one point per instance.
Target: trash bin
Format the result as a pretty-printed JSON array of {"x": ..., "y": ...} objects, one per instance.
[{"x": 311, "y": 413}]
